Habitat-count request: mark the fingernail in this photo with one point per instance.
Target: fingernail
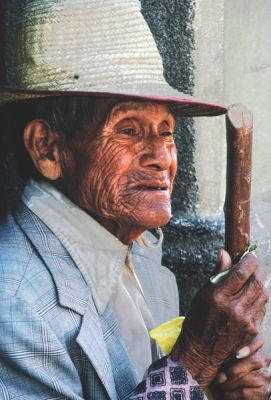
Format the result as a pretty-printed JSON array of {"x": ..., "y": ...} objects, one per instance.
[
  {"x": 221, "y": 377},
  {"x": 226, "y": 260},
  {"x": 219, "y": 255},
  {"x": 244, "y": 352}
]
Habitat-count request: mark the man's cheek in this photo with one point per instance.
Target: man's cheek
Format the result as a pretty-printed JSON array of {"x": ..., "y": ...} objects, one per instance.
[
  {"x": 111, "y": 154},
  {"x": 107, "y": 189}
]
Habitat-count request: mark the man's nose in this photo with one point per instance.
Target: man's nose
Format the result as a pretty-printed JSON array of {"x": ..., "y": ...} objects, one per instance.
[{"x": 156, "y": 155}]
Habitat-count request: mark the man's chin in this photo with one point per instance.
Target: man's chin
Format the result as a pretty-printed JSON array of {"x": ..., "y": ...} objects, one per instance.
[{"x": 155, "y": 218}]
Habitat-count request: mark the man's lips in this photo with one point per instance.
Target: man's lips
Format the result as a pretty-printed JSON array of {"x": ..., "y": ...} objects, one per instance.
[{"x": 152, "y": 186}]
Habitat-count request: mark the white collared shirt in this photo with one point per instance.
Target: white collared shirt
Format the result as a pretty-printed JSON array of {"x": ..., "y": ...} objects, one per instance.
[{"x": 105, "y": 263}]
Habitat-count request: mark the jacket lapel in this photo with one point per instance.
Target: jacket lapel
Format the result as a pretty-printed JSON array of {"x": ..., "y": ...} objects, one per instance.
[
  {"x": 125, "y": 376},
  {"x": 91, "y": 340},
  {"x": 72, "y": 292}
]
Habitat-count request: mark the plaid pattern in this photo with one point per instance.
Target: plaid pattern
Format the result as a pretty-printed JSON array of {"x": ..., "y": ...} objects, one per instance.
[{"x": 53, "y": 343}]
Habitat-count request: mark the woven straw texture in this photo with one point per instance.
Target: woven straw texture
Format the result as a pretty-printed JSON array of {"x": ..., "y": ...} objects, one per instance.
[{"x": 85, "y": 46}]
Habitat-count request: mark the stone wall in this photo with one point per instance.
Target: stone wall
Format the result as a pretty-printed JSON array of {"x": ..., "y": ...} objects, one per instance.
[{"x": 247, "y": 79}]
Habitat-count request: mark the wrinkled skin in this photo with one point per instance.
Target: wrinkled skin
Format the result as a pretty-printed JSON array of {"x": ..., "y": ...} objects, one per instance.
[
  {"x": 121, "y": 172},
  {"x": 126, "y": 171}
]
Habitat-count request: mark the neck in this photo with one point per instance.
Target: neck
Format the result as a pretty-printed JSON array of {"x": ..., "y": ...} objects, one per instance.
[{"x": 126, "y": 233}]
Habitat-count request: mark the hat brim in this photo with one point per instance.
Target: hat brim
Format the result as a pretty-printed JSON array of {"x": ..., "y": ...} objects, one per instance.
[{"x": 180, "y": 103}]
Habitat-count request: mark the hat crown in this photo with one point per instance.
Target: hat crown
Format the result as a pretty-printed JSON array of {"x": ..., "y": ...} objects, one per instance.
[
  {"x": 82, "y": 47},
  {"x": 78, "y": 45}
]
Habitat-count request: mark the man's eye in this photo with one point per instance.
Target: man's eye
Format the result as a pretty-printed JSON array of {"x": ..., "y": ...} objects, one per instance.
[
  {"x": 167, "y": 134},
  {"x": 128, "y": 131}
]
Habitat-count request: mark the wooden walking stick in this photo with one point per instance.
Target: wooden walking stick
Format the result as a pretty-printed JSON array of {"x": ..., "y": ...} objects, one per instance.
[{"x": 239, "y": 127}]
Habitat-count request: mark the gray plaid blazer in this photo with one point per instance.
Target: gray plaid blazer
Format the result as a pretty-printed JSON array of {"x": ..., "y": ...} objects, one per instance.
[{"x": 53, "y": 343}]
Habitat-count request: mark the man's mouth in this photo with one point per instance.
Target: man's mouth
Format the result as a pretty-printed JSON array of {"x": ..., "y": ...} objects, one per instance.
[{"x": 152, "y": 188}]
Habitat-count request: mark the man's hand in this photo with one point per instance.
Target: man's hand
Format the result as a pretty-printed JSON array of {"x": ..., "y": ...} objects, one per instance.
[
  {"x": 247, "y": 378},
  {"x": 223, "y": 319}
]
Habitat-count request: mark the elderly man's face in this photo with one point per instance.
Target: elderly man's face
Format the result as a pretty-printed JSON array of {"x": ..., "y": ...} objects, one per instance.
[
  {"x": 124, "y": 172},
  {"x": 120, "y": 171}
]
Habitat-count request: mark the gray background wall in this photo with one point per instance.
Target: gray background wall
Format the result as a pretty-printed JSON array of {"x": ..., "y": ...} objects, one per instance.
[
  {"x": 232, "y": 65},
  {"x": 220, "y": 51},
  {"x": 247, "y": 79}
]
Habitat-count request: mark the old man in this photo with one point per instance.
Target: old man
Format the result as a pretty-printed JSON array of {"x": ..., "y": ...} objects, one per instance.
[{"x": 81, "y": 276}]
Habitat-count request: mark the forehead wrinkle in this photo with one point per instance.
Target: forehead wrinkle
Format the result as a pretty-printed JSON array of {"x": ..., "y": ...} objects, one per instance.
[{"x": 125, "y": 107}]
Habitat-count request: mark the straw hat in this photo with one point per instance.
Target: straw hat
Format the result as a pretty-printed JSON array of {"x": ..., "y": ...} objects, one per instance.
[{"x": 69, "y": 47}]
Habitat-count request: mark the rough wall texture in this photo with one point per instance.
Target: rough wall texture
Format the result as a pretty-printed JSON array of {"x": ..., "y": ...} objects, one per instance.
[
  {"x": 191, "y": 242},
  {"x": 247, "y": 71}
]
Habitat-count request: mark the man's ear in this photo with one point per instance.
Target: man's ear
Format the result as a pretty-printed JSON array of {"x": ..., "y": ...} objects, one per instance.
[{"x": 42, "y": 145}]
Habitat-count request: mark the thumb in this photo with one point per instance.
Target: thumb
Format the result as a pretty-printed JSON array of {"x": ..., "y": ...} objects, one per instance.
[{"x": 223, "y": 262}]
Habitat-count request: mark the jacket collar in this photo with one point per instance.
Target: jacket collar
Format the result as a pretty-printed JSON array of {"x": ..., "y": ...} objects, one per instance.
[
  {"x": 98, "y": 254},
  {"x": 72, "y": 291}
]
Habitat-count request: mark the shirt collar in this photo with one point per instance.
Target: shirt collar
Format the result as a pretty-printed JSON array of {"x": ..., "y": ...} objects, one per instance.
[{"x": 98, "y": 254}]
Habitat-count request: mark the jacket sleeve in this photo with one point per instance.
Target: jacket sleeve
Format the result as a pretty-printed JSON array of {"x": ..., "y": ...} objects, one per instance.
[
  {"x": 33, "y": 363},
  {"x": 168, "y": 380}
]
